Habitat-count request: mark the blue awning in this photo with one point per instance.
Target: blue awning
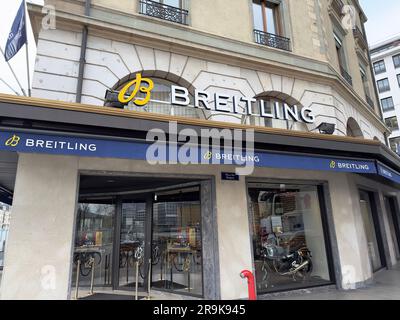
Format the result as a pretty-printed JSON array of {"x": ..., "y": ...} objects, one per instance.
[
  {"x": 388, "y": 173},
  {"x": 113, "y": 148}
]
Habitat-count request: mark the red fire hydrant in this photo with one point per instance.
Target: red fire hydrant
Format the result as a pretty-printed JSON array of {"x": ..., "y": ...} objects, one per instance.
[{"x": 250, "y": 283}]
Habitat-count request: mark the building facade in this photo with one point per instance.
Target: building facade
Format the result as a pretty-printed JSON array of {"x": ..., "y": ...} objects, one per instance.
[
  {"x": 386, "y": 62},
  {"x": 320, "y": 207}
]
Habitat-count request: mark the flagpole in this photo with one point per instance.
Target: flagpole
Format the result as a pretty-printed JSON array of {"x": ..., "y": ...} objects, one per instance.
[
  {"x": 12, "y": 71},
  {"x": 11, "y": 88},
  {"x": 27, "y": 51}
]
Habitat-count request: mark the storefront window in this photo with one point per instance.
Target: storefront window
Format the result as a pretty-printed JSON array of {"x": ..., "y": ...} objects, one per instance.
[
  {"x": 93, "y": 243},
  {"x": 288, "y": 238},
  {"x": 150, "y": 238}
]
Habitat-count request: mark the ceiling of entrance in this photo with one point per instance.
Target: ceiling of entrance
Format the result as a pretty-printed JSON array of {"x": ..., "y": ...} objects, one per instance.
[{"x": 118, "y": 184}]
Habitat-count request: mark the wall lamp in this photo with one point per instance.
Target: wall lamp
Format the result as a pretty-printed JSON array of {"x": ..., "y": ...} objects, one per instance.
[
  {"x": 326, "y": 128},
  {"x": 111, "y": 100}
]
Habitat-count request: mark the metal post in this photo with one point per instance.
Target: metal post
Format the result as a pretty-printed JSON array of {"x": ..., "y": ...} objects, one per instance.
[
  {"x": 92, "y": 278},
  {"x": 127, "y": 267},
  {"x": 27, "y": 53},
  {"x": 137, "y": 280},
  {"x": 13, "y": 73},
  {"x": 149, "y": 281},
  {"x": 78, "y": 269},
  {"x": 188, "y": 271},
  {"x": 105, "y": 270}
]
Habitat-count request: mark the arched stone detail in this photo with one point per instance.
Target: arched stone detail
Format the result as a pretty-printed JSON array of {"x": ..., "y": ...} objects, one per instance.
[
  {"x": 157, "y": 74},
  {"x": 171, "y": 78},
  {"x": 291, "y": 101},
  {"x": 354, "y": 129}
]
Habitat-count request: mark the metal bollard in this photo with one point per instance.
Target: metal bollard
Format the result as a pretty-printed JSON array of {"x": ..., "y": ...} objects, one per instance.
[
  {"x": 149, "y": 281},
  {"x": 78, "y": 270},
  {"x": 137, "y": 280},
  {"x": 91, "y": 261}
]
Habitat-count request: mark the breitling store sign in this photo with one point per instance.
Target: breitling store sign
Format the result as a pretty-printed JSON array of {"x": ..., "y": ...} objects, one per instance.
[{"x": 138, "y": 91}]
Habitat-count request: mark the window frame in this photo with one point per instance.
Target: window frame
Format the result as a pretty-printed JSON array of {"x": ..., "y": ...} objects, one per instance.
[
  {"x": 380, "y": 62},
  {"x": 326, "y": 217},
  {"x": 396, "y": 58},
  {"x": 384, "y": 89},
  {"x": 162, "y": 2},
  {"x": 276, "y": 7},
  {"x": 394, "y": 128},
  {"x": 390, "y": 108},
  {"x": 340, "y": 51}
]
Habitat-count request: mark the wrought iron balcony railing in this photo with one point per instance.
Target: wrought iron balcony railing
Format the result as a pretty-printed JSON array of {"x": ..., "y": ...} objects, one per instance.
[
  {"x": 362, "y": 40},
  {"x": 272, "y": 40},
  {"x": 346, "y": 76},
  {"x": 164, "y": 11},
  {"x": 370, "y": 102},
  {"x": 337, "y": 7}
]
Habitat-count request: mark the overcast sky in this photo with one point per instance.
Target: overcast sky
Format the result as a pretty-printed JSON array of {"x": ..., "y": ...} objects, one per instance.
[{"x": 383, "y": 22}]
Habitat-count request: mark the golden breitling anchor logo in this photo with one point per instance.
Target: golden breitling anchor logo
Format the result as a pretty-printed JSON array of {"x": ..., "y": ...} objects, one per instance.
[
  {"x": 137, "y": 87},
  {"x": 207, "y": 155},
  {"x": 333, "y": 165},
  {"x": 13, "y": 141}
]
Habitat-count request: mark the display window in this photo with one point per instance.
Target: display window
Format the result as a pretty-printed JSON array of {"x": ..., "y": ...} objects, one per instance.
[
  {"x": 148, "y": 238},
  {"x": 289, "y": 245}
]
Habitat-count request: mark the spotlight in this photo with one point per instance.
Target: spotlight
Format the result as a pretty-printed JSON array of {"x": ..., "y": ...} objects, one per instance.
[
  {"x": 112, "y": 100},
  {"x": 326, "y": 128}
]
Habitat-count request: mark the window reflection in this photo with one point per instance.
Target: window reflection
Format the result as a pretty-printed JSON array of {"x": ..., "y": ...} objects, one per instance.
[
  {"x": 177, "y": 242},
  {"x": 94, "y": 240}
]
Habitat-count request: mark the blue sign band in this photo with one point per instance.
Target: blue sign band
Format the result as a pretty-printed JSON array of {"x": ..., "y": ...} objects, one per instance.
[
  {"x": 388, "y": 173},
  {"x": 103, "y": 148}
]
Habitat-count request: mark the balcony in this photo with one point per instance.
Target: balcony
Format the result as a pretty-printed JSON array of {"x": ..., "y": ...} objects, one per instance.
[
  {"x": 360, "y": 38},
  {"x": 163, "y": 11},
  {"x": 272, "y": 40},
  {"x": 337, "y": 7},
  {"x": 346, "y": 76},
  {"x": 370, "y": 102}
]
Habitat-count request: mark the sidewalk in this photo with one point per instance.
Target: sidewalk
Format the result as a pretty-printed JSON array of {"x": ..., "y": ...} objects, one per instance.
[{"x": 386, "y": 287}]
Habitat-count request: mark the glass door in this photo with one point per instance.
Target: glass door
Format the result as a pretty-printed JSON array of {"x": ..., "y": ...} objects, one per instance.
[
  {"x": 176, "y": 243},
  {"x": 393, "y": 224},
  {"x": 131, "y": 244},
  {"x": 370, "y": 225},
  {"x": 94, "y": 243}
]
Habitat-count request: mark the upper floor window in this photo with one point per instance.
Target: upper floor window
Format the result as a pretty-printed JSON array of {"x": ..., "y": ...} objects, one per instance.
[
  {"x": 395, "y": 144},
  {"x": 341, "y": 56},
  {"x": 268, "y": 25},
  {"x": 266, "y": 16},
  {"x": 398, "y": 79},
  {"x": 170, "y": 10},
  {"x": 365, "y": 80},
  {"x": 392, "y": 123},
  {"x": 387, "y": 104},
  {"x": 396, "y": 61},
  {"x": 383, "y": 85},
  {"x": 379, "y": 67}
]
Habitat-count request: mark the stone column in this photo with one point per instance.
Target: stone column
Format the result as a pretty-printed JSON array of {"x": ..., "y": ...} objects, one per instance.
[
  {"x": 39, "y": 247},
  {"x": 233, "y": 237}
]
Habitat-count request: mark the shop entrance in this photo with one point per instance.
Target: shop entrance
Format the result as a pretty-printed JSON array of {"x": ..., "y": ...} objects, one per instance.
[
  {"x": 393, "y": 218},
  {"x": 372, "y": 230},
  {"x": 139, "y": 230}
]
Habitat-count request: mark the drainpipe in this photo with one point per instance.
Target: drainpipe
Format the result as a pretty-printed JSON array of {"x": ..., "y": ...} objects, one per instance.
[
  {"x": 82, "y": 59},
  {"x": 371, "y": 68}
]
